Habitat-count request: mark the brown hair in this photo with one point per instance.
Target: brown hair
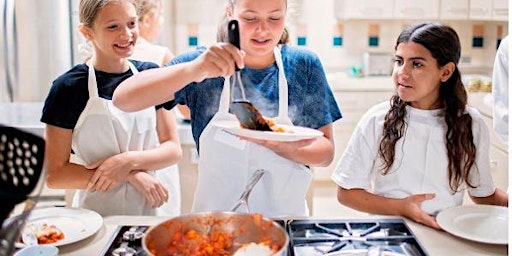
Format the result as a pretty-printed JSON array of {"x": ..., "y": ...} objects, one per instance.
[
  {"x": 222, "y": 30},
  {"x": 444, "y": 45},
  {"x": 145, "y": 7},
  {"x": 88, "y": 10}
]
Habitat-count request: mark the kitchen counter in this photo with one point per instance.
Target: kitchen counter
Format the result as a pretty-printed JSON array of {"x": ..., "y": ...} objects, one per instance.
[{"x": 435, "y": 242}]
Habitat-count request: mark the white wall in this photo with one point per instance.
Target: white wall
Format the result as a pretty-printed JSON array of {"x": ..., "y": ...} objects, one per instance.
[{"x": 318, "y": 16}]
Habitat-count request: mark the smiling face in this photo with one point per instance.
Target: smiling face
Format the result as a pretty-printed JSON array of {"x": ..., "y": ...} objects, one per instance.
[
  {"x": 113, "y": 32},
  {"x": 417, "y": 76},
  {"x": 261, "y": 26}
]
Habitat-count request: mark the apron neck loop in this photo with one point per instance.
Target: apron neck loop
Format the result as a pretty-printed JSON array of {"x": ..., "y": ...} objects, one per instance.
[
  {"x": 92, "y": 85},
  {"x": 283, "y": 87}
]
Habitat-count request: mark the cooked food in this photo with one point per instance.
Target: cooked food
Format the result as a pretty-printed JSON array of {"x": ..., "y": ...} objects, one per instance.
[
  {"x": 253, "y": 249},
  {"x": 45, "y": 233},
  {"x": 275, "y": 128}
]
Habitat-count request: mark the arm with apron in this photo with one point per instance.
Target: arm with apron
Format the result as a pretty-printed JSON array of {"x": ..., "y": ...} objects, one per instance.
[
  {"x": 102, "y": 131},
  {"x": 226, "y": 164}
]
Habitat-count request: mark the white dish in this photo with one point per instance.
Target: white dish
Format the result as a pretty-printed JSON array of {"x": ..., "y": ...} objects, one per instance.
[
  {"x": 76, "y": 223},
  {"x": 292, "y": 133},
  {"x": 481, "y": 223}
]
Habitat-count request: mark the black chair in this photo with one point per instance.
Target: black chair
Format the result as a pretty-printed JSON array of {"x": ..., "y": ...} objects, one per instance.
[{"x": 21, "y": 165}]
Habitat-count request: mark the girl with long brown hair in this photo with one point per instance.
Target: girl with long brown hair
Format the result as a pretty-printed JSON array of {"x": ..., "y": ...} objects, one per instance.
[{"x": 417, "y": 154}]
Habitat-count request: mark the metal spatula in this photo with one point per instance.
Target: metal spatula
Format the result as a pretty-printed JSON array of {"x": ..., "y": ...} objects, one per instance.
[{"x": 248, "y": 116}]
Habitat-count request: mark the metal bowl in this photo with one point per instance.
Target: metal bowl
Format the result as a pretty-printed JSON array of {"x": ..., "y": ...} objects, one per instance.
[{"x": 243, "y": 228}]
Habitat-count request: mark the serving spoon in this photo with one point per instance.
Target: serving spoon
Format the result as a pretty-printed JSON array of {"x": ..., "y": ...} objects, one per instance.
[{"x": 246, "y": 113}]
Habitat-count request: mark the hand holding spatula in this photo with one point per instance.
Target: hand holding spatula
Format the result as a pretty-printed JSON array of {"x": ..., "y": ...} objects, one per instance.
[{"x": 244, "y": 110}]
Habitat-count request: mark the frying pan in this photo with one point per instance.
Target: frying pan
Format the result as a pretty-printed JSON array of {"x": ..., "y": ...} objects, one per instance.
[
  {"x": 246, "y": 113},
  {"x": 241, "y": 229}
]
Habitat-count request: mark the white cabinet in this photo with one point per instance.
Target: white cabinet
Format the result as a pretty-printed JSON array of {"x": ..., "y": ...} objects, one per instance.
[
  {"x": 363, "y": 9},
  {"x": 416, "y": 9},
  {"x": 499, "y": 10},
  {"x": 480, "y": 9},
  {"x": 454, "y": 9}
]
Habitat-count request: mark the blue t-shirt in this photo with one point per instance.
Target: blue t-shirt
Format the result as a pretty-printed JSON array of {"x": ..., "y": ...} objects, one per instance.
[
  {"x": 310, "y": 99},
  {"x": 69, "y": 93}
]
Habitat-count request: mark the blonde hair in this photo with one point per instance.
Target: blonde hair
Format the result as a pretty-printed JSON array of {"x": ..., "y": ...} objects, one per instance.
[
  {"x": 222, "y": 31},
  {"x": 88, "y": 9},
  {"x": 146, "y": 7}
]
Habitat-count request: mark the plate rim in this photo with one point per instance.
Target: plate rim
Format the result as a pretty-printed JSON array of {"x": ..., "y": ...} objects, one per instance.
[
  {"x": 445, "y": 220},
  {"x": 92, "y": 220},
  {"x": 233, "y": 127}
]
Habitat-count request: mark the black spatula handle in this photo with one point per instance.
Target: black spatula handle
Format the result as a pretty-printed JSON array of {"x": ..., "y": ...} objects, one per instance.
[{"x": 234, "y": 35}]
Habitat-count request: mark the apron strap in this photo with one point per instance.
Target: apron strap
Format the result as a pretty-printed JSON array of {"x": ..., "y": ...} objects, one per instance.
[
  {"x": 92, "y": 86},
  {"x": 282, "y": 116}
]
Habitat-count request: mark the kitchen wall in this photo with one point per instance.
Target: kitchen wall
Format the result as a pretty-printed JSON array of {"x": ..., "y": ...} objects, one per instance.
[{"x": 194, "y": 22}]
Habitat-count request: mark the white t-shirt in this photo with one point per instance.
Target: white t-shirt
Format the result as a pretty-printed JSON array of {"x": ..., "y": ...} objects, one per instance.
[
  {"x": 420, "y": 160},
  {"x": 500, "y": 92},
  {"x": 146, "y": 51}
]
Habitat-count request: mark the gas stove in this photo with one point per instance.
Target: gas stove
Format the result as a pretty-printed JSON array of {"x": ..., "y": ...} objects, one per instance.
[
  {"x": 313, "y": 237},
  {"x": 310, "y": 237}
]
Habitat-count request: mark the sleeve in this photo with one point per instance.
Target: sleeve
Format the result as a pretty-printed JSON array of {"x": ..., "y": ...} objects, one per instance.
[
  {"x": 180, "y": 97},
  {"x": 320, "y": 106},
  {"x": 355, "y": 167},
  {"x": 500, "y": 92},
  {"x": 480, "y": 175},
  {"x": 65, "y": 102}
]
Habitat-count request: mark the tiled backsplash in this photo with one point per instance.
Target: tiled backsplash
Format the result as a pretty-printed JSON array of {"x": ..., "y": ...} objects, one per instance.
[{"x": 340, "y": 44}]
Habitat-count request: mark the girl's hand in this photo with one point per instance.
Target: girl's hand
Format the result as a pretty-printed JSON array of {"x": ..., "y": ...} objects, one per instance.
[
  {"x": 156, "y": 194},
  {"x": 281, "y": 147},
  {"x": 412, "y": 210},
  {"x": 218, "y": 60},
  {"x": 109, "y": 172}
]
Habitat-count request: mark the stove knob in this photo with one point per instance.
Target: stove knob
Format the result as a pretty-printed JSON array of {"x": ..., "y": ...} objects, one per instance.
[{"x": 124, "y": 251}]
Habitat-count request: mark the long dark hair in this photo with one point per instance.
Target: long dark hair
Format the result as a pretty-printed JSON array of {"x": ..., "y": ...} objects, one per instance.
[{"x": 444, "y": 45}]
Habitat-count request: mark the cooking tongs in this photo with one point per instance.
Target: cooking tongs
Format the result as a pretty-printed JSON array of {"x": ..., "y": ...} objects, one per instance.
[
  {"x": 248, "y": 116},
  {"x": 248, "y": 188}
]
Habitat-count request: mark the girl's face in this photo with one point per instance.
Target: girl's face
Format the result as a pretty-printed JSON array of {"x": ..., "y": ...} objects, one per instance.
[
  {"x": 417, "y": 77},
  {"x": 115, "y": 31},
  {"x": 261, "y": 26}
]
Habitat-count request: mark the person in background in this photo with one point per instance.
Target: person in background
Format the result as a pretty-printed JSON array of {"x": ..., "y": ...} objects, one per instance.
[
  {"x": 151, "y": 18},
  {"x": 500, "y": 92},
  {"x": 418, "y": 153},
  {"x": 272, "y": 69},
  {"x": 150, "y": 13},
  {"x": 108, "y": 155}
]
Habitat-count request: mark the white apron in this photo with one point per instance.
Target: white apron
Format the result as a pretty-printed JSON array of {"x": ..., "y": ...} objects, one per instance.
[
  {"x": 226, "y": 164},
  {"x": 102, "y": 130}
]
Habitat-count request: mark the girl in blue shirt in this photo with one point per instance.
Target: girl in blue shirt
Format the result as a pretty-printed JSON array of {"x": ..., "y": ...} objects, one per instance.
[{"x": 274, "y": 75}]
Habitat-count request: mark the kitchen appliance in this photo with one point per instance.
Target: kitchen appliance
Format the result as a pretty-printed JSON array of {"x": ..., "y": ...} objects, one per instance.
[
  {"x": 316, "y": 237},
  {"x": 38, "y": 42},
  {"x": 377, "y": 64}
]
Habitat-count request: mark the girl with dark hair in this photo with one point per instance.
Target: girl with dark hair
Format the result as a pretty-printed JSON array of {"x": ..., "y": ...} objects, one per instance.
[{"x": 418, "y": 153}]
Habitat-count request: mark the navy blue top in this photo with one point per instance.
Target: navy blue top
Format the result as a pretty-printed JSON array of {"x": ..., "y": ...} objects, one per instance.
[
  {"x": 69, "y": 93},
  {"x": 310, "y": 99}
]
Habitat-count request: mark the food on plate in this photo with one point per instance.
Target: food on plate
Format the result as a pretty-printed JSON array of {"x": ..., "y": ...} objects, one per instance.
[
  {"x": 254, "y": 249},
  {"x": 45, "y": 233},
  {"x": 273, "y": 126}
]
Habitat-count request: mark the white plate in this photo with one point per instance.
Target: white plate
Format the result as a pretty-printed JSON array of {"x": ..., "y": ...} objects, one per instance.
[
  {"x": 481, "y": 223},
  {"x": 293, "y": 133},
  {"x": 76, "y": 223}
]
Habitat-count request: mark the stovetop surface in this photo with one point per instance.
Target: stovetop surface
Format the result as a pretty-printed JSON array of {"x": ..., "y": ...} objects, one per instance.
[{"x": 309, "y": 237}]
